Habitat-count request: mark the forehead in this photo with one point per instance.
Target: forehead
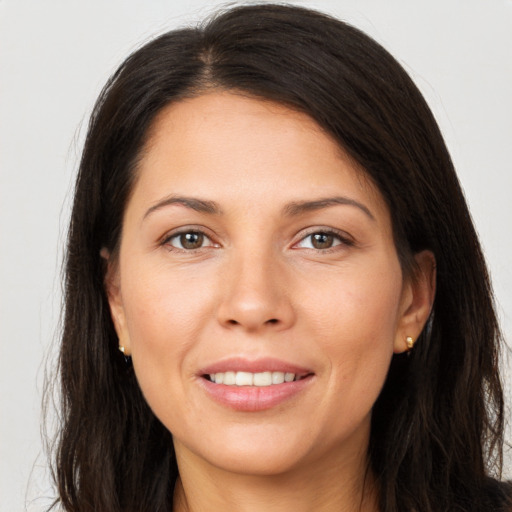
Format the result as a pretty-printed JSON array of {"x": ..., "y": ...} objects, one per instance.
[{"x": 225, "y": 146}]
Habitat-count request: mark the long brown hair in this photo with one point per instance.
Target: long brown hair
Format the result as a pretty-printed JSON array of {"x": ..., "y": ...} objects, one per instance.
[{"x": 437, "y": 426}]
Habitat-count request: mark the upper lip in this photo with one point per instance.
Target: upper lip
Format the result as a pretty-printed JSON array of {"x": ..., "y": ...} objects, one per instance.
[{"x": 267, "y": 364}]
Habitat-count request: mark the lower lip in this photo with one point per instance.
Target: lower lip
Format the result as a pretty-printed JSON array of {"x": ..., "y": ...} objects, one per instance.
[{"x": 254, "y": 398}]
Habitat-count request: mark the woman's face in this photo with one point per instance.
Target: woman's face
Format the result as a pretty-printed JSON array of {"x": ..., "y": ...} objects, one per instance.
[{"x": 254, "y": 250}]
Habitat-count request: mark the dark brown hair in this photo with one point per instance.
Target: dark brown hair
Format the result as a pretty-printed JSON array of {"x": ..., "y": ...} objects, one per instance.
[{"x": 437, "y": 426}]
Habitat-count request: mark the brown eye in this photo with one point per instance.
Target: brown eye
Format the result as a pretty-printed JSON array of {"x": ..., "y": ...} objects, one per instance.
[
  {"x": 322, "y": 240},
  {"x": 189, "y": 240}
]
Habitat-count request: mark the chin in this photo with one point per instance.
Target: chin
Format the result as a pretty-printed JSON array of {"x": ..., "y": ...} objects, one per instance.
[
  {"x": 272, "y": 450},
  {"x": 248, "y": 451},
  {"x": 260, "y": 462}
]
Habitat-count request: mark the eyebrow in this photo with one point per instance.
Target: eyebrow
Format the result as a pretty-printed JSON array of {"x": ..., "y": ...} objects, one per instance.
[
  {"x": 199, "y": 205},
  {"x": 299, "y": 207},
  {"x": 292, "y": 209}
]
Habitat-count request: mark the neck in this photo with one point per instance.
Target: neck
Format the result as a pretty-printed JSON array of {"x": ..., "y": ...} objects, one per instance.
[{"x": 341, "y": 486}]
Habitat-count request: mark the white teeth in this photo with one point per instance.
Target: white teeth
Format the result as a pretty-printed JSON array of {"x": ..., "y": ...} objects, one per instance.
[
  {"x": 252, "y": 379},
  {"x": 243, "y": 379},
  {"x": 277, "y": 377},
  {"x": 262, "y": 379},
  {"x": 229, "y": 378}
]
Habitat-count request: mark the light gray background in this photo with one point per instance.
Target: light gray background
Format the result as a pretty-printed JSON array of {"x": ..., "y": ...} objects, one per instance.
[{"x": 55, "y": 57}]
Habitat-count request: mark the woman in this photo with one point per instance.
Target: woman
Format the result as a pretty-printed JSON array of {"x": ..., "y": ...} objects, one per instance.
[{"x": 275, "y": 297}]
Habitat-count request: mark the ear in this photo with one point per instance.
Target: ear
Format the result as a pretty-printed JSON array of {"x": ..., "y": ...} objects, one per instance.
[
  {"x": 417, "y": 299},
  {"x": 113, "y": 291}
]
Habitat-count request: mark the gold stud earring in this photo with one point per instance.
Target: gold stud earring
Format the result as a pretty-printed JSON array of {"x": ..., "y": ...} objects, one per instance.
[
  {"x": 127, "y": 359},
  {"x": 410, "y": 343}
]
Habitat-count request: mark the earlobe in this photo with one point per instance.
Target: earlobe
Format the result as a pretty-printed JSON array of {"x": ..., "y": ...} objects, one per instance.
[
  {"x": 113, "y": 291},
  {"x": 417, "y": 301}
]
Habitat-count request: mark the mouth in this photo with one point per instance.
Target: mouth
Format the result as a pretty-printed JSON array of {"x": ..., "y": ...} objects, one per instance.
[
  {"x": 251, "y": 386},
  {"x": 259, "y": 379}
]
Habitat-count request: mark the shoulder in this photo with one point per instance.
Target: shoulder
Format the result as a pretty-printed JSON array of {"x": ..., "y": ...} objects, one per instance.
[{"x": 498, "y": 495}]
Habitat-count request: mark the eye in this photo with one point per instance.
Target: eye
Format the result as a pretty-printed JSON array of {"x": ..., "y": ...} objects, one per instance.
[
  {"x": 188, "y": 240},
  {"x": 321, "y": 240}
]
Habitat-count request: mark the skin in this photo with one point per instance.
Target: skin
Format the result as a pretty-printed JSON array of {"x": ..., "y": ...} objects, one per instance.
[{"x": 258, "y": 286}]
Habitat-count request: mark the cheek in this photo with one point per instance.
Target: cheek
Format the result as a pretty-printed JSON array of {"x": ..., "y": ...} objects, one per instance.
[
  {"x": 162, "y": 305},
  {"x": 354, "y": 307},
  {"x": 354, "y": 324},
  {"x": 165, "y": 313}
]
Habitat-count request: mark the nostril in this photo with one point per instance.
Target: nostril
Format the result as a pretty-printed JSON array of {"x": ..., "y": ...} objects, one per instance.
[{"x": 252, "y": 323}]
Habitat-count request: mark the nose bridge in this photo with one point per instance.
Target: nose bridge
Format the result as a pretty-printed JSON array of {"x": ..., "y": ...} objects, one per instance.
[{"x": 255, "y": 295}]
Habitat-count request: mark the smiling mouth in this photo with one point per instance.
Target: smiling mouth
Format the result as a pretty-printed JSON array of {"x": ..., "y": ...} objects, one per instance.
[{"x": 260, "y": 379}]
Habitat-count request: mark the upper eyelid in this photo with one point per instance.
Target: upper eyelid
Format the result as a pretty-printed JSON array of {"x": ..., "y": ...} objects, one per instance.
[
  {"x": 301, "y": 235},
  {"x": 343, "y": 235},
  {"x": 186, "y": 229}
]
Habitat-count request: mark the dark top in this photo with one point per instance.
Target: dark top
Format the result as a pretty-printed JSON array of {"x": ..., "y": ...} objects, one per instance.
[{"x": 498, "y": 496}]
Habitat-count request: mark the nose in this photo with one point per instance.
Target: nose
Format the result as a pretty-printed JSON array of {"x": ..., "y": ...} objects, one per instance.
[{"x": 256, "y": 295}]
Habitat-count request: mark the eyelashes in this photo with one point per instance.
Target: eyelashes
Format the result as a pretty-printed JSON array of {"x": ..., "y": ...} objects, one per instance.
[
  {"x": 189, "y": 240},
  {"x": 324, "y": 239},
  {"x": 320, "y": 240}
]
